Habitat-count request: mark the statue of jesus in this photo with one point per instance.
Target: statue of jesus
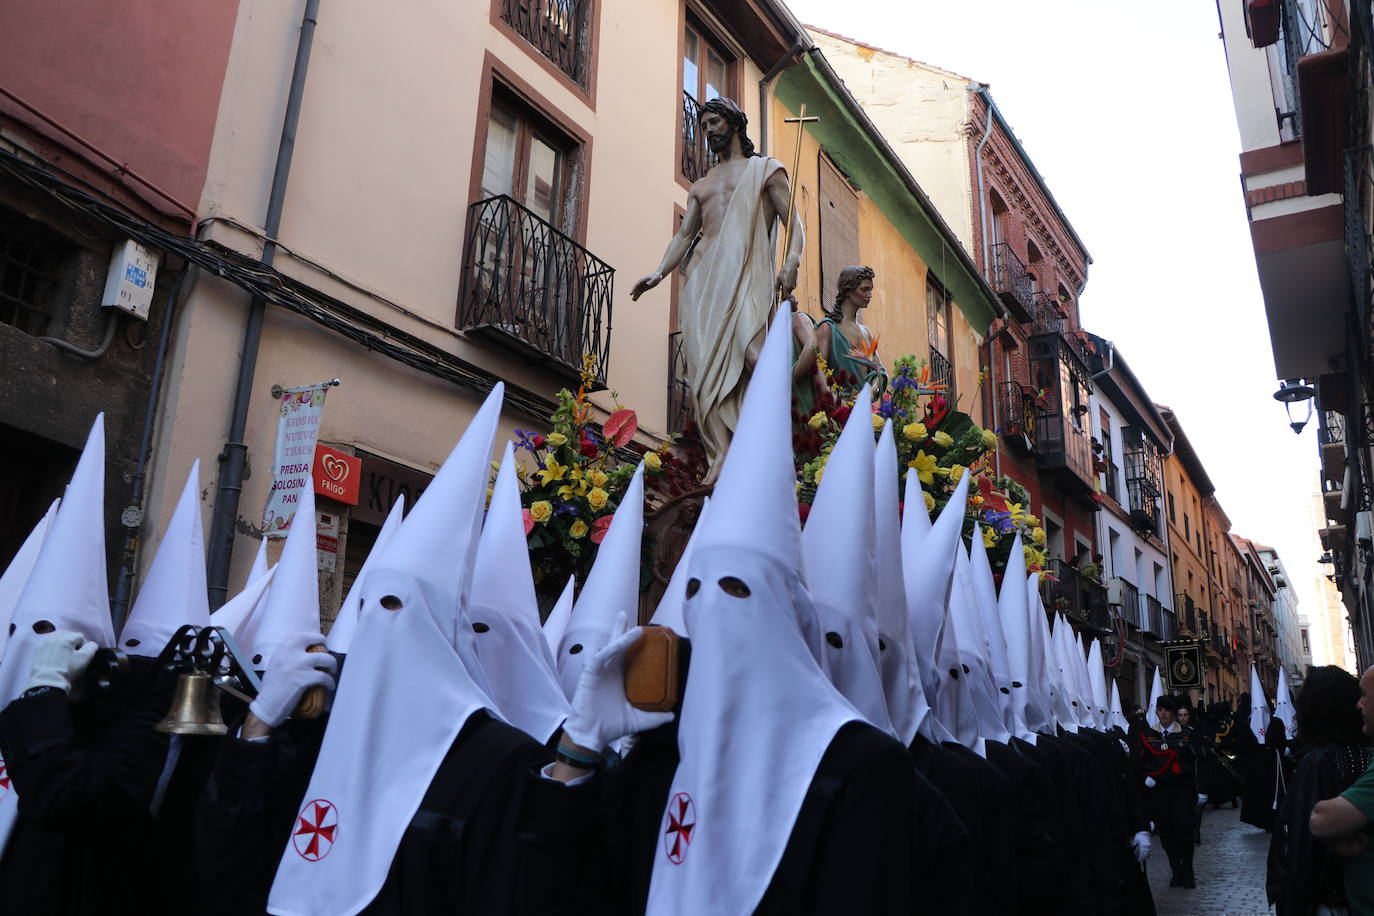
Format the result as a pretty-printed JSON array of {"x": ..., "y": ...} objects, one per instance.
[{"x": 729, "y": 288}]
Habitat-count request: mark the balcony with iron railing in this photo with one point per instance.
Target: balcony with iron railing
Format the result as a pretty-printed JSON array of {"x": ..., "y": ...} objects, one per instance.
[
  {"x": 1187, "y": 613},
  {"x": 1144, "y": 472},
  {"x": 1126, "y": 598},
  {"x": 559, "y": 29},
  {"x": 1315, "y": 63},
  {"x": 1048, "y": 315},
  {"x": 1012, "y": 281},
  {"x": 1077, "y": 596},
  {"x": 1016, "y": 416},
  {"x": 942, "y": 373},
  {"x": 679, "y": 390},
  {"x": 697, "y": 157},
  {"x": 1063, "y": 444},
  {"x": 532, "y": 290}
]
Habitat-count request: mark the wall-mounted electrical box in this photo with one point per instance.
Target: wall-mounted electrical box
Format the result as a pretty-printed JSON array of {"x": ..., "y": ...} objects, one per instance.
[{"x": 129, "y": 284}]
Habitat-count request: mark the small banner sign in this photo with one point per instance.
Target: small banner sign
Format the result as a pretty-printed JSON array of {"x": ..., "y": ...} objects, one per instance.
[
  {"x": 1183, "y": 666},
  {"x": 298, "y": 425},
  {"x": 337, "y": 475}
]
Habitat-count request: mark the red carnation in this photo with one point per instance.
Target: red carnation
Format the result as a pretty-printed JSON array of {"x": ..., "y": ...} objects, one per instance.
[
  {"x": 588, "y": 448},
  {"x": 600, "y": 527},
  {"x": 537, "y": 441}
]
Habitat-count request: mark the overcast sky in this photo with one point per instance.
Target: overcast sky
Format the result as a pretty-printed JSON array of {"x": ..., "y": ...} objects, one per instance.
[{"x": 1128, "y": 116}]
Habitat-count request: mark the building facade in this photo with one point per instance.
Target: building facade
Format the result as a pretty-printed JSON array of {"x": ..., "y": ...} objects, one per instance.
[
  {"x": 1259, "y": 601},
  {"x": 1132, "y": 531},
  {"x": 93, "y": 158},
  {"x": 1290, "y": 647},
  {"x": 948, "y": 131},
  {"x": 1301, "y": 76}
]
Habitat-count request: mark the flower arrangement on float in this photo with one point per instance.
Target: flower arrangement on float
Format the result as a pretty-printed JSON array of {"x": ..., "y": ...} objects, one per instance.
[{"x": 937, "y": 441}]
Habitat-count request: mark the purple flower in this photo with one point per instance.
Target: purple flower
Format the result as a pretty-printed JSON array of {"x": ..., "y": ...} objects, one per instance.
[
  {"x": 523, "y": 439},
  {"x": 564, "y": 508},
  {"x": 888, "y": 410}
]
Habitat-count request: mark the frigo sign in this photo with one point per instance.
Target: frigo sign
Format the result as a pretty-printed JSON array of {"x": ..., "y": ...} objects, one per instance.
[{"x": 337, "y": 476}]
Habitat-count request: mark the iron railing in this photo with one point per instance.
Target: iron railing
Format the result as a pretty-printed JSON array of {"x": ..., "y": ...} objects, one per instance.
[
  {"x": 1062, "y": 440},
  {"x": 1359, "y": 176},
  {"x": 1170, "y": 624},
  {"x": 1076, "y": 596},
  {"x": 679, "y": 388},
  {"x": 559, "y": 29},
  {"x": 1331, "y": 428},
  {"x": 1130, "y": 602},
  {"x": 1144, "y": 472},
  {"x": 1047, "y": 313},
  {"x": 1016, "y": 412},
  {"x": 535, "y": 290},
  {"x": 942, "y": 373},
  {"x": 1154, "y": 617},
  {"x": 697, "y": 157},
  {"x": 1011, "y": 279}
]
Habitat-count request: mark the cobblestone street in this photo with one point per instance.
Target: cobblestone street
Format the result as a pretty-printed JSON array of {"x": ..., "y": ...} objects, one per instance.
[{"x": 1229, "y": 866}]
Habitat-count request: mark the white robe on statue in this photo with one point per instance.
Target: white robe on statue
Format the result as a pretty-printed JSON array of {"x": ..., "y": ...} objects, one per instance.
[{"x": 723, "y": 307}]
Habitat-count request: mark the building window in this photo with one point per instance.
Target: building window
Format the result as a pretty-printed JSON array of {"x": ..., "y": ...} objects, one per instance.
[
  {"x": 528, "y": 161},
  {"x": 28, "y": 275},
  {"x": 707, "y": 71},
  {"x": 1187, "y": 529},
  {"x": 1172, "y": 517},
  {"x": 559, "y": 29},
  {"x": 937, "y": 319},
  {"x": 1108, "y": 458}
]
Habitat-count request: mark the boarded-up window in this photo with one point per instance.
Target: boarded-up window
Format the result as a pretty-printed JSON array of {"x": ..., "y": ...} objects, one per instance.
[{"x": 839, "y": 206}]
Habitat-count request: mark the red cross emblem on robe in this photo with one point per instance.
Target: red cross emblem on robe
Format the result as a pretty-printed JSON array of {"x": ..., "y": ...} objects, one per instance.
[
  {"x": 5, "y": 783},
  {"x": 682, "y": 822},
  {"x": 316, "y": 827}
]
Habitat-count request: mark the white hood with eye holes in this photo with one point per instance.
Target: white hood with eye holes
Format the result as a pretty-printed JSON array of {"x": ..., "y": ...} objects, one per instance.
[{"x": 758, "y": 714}]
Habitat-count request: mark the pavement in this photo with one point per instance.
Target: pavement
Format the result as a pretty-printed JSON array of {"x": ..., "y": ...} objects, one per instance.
[{"x": 1229, "y": 866}]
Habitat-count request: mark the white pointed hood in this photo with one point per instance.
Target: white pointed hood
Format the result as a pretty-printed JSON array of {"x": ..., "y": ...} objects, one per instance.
[
  {"x": 1117, "y": 717},
  {"x": 986, "y": 590},
  {"x": 341, "y": 633},
  {"x": 407, "y": 691},
  {"x": 66, "y": 587},
  {"x": 174, "y": 592},
  {"x": 1259, "y": 707},
  {"x": 1156, "y": 691},
  {"x": 556, "y": 624},
  {"x": 243, "y": 607},
  {"x": 977, "y": 682},
  {"x": 758, "y": 713},
  {"x": 611, "y": 589},
  {"x": 1068, "y": 709},
  {"x": 259, "y": 567},
  {"x": 670, "y": 606},
  {"x": 837, "y": 549},
  {"x": 292, "y": 605},
  {"x": 1044, "y": 669},
  {"x": 1097, "y": 676},
  {"x": 1283, "y": 706},
  {"x": 504, "y": 612},
  {"x": 1087, "y": 704},
  {"x": 1013, "y": 621},
  {"x": 928, "y": 556},
  {"x": 16, "y": 575},
  {"x": 906, "y": 704}
]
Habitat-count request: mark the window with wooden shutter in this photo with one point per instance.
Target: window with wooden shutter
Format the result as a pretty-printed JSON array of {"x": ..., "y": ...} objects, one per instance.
[{"x": 839, "y": 207}]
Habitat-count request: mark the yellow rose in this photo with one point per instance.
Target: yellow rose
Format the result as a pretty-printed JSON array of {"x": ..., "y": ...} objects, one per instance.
[
  {"x": 541, "y": 511},
  {"x": 914, "y": 432},
  {"x": 578, "y": 529},
  {"x": 989, "y": 439},
  {"x": 989, "y": 537},
  {"x": 652, "y": 461},
  {"x": 943, "y": 439},
  {"x": 597, "y": 478},
  {"x": 924, "y": 465},
  {"x": 956, "y": 471},
  {"x": 1032, "y": 520},
  {"x": 877, "y": 423},
  {"x": 817, "y": 420},
  {"x": 1038, "y": 535},
  {"x": 929, "y": 500},
  {"x": 555, "y": 439},
  {"x": 597, "y": 499}
]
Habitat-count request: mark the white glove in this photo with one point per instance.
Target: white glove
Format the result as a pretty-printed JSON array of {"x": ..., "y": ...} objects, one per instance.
[
  {"x": 1201, "y": 799},
  {"x": 600, "y": 712},
  {"x": 1140, "y": 844},
  {"x": 1149, "y": 782},
  {"x": 292, "y": 672},
  {"x": 59, "y": 659}
]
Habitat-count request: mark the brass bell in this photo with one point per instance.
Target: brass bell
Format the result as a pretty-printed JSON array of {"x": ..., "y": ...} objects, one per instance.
[{"x": 195, "y": 708}]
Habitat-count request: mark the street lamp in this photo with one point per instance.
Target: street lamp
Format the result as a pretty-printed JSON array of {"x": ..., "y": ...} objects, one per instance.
[{"x": 1295, "y": 391}]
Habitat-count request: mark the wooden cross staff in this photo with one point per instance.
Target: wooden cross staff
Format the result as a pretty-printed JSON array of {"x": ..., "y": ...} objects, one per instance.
[{"x": 792, "y": 191}]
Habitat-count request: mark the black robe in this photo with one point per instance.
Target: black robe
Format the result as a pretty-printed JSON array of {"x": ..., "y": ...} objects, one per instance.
[
  {"x": 853, "y": 848},
  {"x": 1303, "y": 873},
  {"x": 1265, "y": 777},
  {"x": 86, "y": 774},
  {"x": 490, "y": 836},
  {"x": 978, "y": 794}
]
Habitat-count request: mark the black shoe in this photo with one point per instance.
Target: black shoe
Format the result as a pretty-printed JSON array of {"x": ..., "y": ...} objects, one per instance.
[
  {"x": 1173, "y": 879},
  {"x": 1188, "y": 883}
]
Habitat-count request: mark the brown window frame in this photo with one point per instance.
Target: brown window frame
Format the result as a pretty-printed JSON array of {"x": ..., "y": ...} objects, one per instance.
[{"x": 691, "y": 17}]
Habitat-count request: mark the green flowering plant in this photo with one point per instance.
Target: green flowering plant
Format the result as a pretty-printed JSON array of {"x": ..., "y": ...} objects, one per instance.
[
  {"x": 572, "y": 481},
  {"x": 937, "y": 441}
]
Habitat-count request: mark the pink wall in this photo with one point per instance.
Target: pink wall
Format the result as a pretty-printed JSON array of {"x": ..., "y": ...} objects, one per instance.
[{"x": 140, "y": 79}]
